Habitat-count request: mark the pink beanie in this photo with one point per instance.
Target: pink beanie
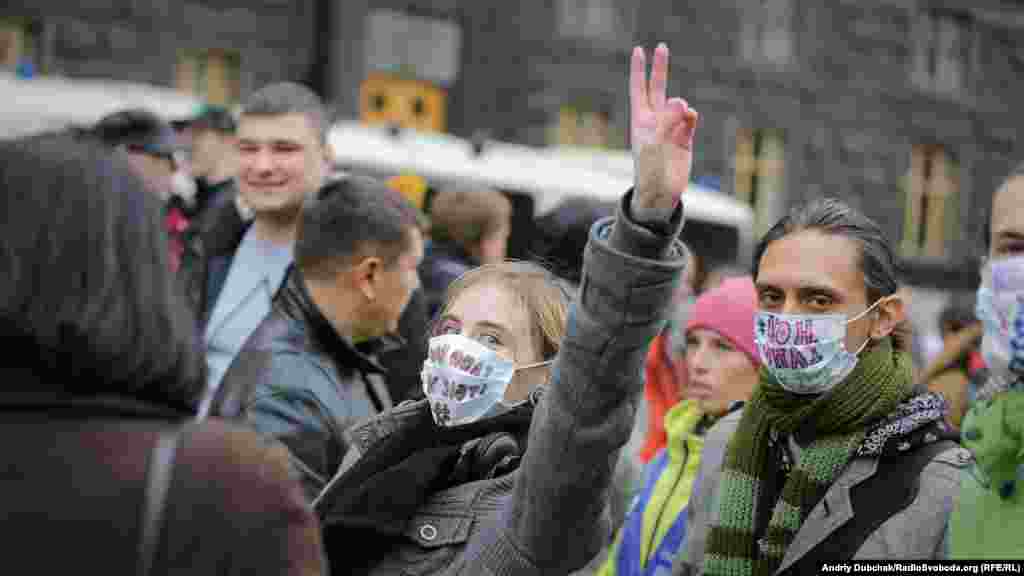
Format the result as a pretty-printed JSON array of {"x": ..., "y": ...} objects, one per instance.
[{"x": 729, "y": 310}]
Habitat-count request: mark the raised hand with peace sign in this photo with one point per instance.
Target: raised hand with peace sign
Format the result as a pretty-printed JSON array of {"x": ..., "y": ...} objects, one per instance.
[{"x": 662, "y": 131}]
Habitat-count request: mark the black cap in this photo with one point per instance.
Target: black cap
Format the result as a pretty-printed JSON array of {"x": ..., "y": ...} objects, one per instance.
[
  {"x": 209, "y": 118},
  {"x": 139, "y": 130}
]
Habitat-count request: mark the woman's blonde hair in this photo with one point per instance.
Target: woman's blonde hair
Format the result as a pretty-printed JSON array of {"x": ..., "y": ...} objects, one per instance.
[{"x": 545, "y": 297}]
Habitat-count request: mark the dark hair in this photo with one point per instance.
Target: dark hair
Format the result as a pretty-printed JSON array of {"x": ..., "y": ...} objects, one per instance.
[
  {"x": 214, "y": 118},
  {"x": 834, "y": 217},
  {"x": 1018, "y": 171},
  {"x": 288, "y": 98},
  {"x": 138, "y": 130},
  {"x": 957, "y": 315},
  {"x": 348, "y": 217},
  {"x": 87, "y": 299},
  {"x": 562, "y": 235}
]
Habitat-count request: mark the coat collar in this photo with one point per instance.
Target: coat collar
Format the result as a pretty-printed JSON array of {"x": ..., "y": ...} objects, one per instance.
[
  {"x": 403, "y": 448},
  {"x": 834, "y": 510},
  {"x": 295, "y": 303},
  {"x": 211, "y": 194},
  {"x": 253, "y": 270}
]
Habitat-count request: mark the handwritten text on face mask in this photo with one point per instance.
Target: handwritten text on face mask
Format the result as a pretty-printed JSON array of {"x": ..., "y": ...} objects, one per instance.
[
  {"x": 437, "y": 384},
  {"x": 460, "y": 360},
  {"x": 789, "y": 344},
  {"x": 786, "y": 333},
  {"x": 792, "y": 358}
]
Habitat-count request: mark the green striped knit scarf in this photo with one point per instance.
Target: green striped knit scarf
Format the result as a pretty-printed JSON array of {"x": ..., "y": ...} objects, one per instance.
[{"x": 881, "y": 380}]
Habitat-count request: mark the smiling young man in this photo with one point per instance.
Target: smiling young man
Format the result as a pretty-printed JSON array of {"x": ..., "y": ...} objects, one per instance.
[
  {"x": 282, "y": 159},
  {"x": 837, "y": 456}
]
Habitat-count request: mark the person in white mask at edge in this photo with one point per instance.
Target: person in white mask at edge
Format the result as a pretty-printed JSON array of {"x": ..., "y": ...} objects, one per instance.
[
  {"x": 836, "y": 456},
  {"x": 504, "y": 466},
  {"x": 988, "y": 519}
]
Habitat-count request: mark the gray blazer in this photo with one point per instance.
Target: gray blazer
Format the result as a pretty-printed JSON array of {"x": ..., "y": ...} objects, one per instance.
[{"x": 916, "y": 533}]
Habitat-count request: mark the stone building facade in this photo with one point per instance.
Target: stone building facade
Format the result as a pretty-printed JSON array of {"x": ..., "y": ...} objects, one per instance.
[{"x": 904, "y": 108}]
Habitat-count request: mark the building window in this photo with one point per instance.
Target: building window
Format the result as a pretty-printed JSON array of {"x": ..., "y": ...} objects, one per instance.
[
  {"x": 941, "y": 52},
  {"x": 595, "y": 19},
  {"x": 20, "y": 47},
  {"x": 408, "y": 103},
  {"x": 580, "y": 125},
  {"x": 766, "y": 36},
  {"x": 212, "y": 75},
  {"x": 414, "y": 47},
  {"x": 932, "y": 192},
  {"x": 760, "y": 173}
]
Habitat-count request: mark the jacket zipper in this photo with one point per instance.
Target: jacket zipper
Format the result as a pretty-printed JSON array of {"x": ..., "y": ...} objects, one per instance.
[{"x": 661, "y": 513}]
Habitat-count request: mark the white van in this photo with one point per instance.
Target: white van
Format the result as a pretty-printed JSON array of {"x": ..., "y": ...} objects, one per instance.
[
  {"x": 719, "y": 227},
  {"x": 52, "y": 103}
]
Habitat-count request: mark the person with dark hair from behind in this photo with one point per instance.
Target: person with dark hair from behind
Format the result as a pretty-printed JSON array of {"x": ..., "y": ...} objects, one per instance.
[
  {"x": 468, "y": 227},
  {"x": 102, "y": 371},
  {"x": 562, "y": 235},
  {"x": 838, "y": 455},
  {"x": 305, "y": 375},
  {"x": 283, "y": 159}
]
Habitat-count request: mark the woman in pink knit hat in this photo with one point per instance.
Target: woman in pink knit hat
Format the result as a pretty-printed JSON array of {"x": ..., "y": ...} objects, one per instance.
[{"x": 722, "y": 366}]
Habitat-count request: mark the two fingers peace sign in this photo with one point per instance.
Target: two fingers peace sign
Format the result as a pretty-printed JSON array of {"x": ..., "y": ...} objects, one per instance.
[{"x": 661, "y": 134}]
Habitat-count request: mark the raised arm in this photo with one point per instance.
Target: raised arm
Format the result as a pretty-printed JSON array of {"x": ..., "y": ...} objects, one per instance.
[{"x": 556, "y": 520}]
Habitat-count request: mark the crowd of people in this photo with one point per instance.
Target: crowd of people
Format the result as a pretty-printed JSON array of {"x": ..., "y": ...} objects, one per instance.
[{"x": 225, "y": 358}]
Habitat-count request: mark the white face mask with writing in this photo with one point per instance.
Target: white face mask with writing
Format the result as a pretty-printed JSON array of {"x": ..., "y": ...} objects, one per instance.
[
  {"x": 806, "y": 353},
  {"x": 465, "y": 380},
  {"x": 1000, "y": 307}
]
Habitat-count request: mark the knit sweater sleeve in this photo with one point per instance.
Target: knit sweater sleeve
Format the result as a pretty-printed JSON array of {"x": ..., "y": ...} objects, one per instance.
[{"x": 556, "y": 518}]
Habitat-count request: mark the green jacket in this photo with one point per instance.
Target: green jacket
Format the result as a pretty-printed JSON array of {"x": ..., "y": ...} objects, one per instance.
[{"x": 988, "y": 518}]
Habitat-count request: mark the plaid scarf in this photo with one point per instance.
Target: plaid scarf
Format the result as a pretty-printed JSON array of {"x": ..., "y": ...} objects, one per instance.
[{"x": 837, "y": 422}]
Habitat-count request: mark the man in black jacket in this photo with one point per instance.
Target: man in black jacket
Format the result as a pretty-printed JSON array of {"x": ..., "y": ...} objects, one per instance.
[{"x": 309, "y": 371}]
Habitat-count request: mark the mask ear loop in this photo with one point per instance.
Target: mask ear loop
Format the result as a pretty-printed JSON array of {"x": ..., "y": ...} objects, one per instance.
[
  {"x": 534, "y": 365},
  {"x": 863, "y": 346},
  {"x": 869, "y": 309},
  {"x": 865, "y": 313},
  {"x": 537, "y": 392}
]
